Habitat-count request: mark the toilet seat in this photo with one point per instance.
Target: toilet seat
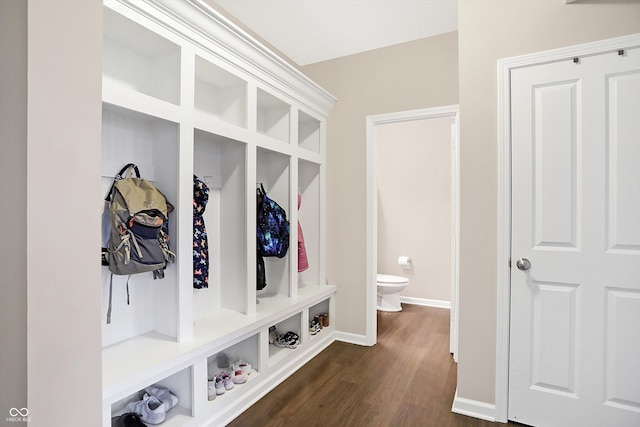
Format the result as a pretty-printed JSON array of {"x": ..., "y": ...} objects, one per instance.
[{"x": 392, "y": 280}]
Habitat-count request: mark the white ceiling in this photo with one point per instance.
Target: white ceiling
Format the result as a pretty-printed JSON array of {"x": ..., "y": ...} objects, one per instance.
[{"x": 310, "y": 31}]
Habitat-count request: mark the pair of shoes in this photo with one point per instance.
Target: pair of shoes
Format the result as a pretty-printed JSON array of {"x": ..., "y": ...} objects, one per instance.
[
  {"x": 288, "y": 340},
  {"x": 223, "y": 382},
  {"x": 314, "y": 326},
  {"x": 323, "y": 319},
  {"x": 130, "y": 419},
  {"x": 239, "y": 376},
  {"x": 150, "y": 409}
]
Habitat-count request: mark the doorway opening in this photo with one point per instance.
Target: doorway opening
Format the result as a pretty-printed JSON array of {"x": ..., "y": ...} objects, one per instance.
[{"x": 374, "y": 133}]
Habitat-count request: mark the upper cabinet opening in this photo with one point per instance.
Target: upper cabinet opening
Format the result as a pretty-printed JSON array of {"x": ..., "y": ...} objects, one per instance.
[
  {"x": 308, "y": 132},
  {"x": 219, "y": 95},
  {"x": 138, "y": 60},
  {"x": 273, "y": 117}
]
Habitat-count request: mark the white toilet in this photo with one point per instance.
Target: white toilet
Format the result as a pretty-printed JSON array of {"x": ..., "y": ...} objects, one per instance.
[{"x": 389, "y": 288}]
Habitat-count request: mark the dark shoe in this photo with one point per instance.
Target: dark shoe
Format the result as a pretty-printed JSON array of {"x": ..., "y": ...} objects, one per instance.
[{"x": 130, "y": 419}]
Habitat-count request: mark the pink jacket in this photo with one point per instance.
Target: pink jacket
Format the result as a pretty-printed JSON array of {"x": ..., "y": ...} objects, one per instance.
[{"x": 303, "y": 262}]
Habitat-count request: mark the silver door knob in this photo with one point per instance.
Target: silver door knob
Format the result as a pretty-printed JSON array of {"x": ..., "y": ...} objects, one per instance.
[{"x": 523, "y": 264}]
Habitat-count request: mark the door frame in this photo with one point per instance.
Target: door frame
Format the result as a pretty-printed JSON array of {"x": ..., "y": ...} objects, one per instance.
[
  {"x": 372, "y": 212},
  {"x": 504, "y": 193}
]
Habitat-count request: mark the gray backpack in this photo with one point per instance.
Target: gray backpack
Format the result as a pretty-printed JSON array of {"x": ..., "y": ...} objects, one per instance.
[{"x": 138, "y": 215}]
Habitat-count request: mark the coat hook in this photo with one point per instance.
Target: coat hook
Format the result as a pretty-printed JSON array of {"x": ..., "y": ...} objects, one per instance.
[
  {"x": 621, "y": 52},
  {"x": 576, "y": 60}
]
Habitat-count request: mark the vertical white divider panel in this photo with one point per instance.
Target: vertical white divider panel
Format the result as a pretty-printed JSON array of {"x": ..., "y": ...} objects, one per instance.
[
  {"x": 263, "y": 351},
  {"x": 252, "y": 114},
  {"x": 164, "y": 292},
  {"x": 304, "y": 333},
  {"x": 185, "y": 196},
  {"x": 251, "y": 228},
  {"x": 199, "y": 388},
  {"x": 293, "y": 203},
  {"x": 322, "y": 257},
  {"x": 293, "y": 223}
]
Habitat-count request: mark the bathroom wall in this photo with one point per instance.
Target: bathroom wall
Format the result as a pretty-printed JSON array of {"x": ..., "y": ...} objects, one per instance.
[{"x": 414, "y": 204}]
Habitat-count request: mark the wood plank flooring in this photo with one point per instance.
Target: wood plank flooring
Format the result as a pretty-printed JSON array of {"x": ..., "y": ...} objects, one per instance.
[{"x": 407, "y": 379}]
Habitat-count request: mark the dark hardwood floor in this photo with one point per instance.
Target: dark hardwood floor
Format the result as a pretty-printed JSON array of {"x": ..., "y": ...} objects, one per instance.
[{"x": 407, "y": 379}]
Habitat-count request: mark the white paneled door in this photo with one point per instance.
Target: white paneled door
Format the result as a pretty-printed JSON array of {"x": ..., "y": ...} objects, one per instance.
[{"x": 575, "y": 268}]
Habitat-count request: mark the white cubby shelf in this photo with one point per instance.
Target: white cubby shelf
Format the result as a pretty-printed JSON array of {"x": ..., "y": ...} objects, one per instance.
[{"x": 186, "y": 92}]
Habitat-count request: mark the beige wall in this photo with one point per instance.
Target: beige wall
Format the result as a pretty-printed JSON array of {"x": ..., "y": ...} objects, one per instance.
[
  {"x": 414, "y": 204},
  {"x": 407, "y": 76},
  {"x": 64, "y": 89},
  {"x": 490, "y": 30}
]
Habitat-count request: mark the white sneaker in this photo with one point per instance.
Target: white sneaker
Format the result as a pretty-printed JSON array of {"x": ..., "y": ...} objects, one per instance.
[
  {"x": 219, "y": 384},
  {"x": 150, "y": 409},
  {"x": 211, "y": 389},
  {"x": 163, "y": 395},
  {"x": 228, "y": 381},
  {"x": 245, "y": 366},
  {"x": 239, "y": 376}
]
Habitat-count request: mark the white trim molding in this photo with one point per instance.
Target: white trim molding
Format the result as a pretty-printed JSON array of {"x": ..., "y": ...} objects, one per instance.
[
  {"x": 473, "y": 408},
  {"x": 426, "y": 302},
  {"x": 350, "y": 338},
  {"x": 504, "y": 193},
  {"x": 372, "y": 211}
]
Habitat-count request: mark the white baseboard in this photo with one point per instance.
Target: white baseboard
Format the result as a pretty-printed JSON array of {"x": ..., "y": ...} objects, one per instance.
[
  {"x": 426, "y": 302},
  {"x": 474, "y": 408},
  {"x": 350, "y": 338}
]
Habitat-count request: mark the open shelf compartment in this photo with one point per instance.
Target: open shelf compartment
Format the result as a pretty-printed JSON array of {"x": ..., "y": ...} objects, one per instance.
[
  {"x": 219, "y": 95},
  {"x": 273, "y": 172},
  {"x": 221, "y": 163},
  {"x": 273, "y": 117},
  {"x": 321, "y": 313},
  {"x": 151, "y": 144},
  {"x": 308, "y": 132},
  {"x": 246, "y": 351},
  {"x": 309, "y": 219},
  {"x": 179, "y": 384},
  {"x": 290, "y": 324},
  {"x": 138, "y": 60}
]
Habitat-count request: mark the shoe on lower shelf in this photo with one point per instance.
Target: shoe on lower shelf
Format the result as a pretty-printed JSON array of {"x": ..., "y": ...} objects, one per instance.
[
  {"x": 150, "y": 409},
  {"x": 245, "y": 366},
  {"x": 163, "y": 394},
  {"x": 272, "y": 334},
  {"x": 314, "y": 327},
  {"x": 239, "y": 376},
  {"x": 288, "y": 340},
  {"x": 325, "y": 319},
  {"x": 227, "y": 380},
  {"x": 223, "y": 361},
  {"x": 219, "y": 385},
  {"x": 211, "y": 389},
  {"x": 129, "y": 419}
]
